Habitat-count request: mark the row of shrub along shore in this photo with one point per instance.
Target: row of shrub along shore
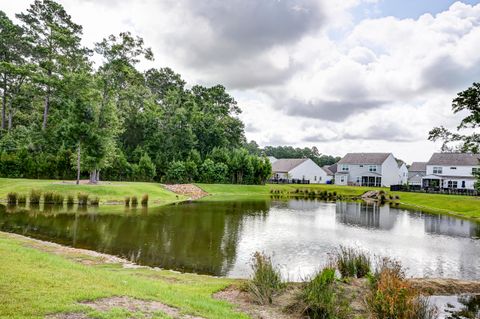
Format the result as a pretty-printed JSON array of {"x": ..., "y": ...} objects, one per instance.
[
  {"x": 55, "y": 198},
  {"x": 380, "y": 196},
  {"x": 388, "y": 293}
]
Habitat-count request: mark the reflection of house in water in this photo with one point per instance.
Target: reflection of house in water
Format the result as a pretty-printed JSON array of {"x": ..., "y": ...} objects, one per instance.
[
  {"x": 304, "y": 204},
  {"x": 365, "y": 215},
  {"x": 449, "y": 226}
]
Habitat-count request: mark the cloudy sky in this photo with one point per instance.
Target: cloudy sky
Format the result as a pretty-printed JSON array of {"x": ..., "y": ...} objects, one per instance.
[{"x": 345, "y": 76}]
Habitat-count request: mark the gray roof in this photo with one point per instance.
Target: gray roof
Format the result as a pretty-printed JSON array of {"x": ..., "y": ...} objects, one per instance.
[
  {"x": 460, "y": 159},
  {"x": 326, "y": 168},
  {"x": 418, "y": 167},
  {"x": 364, "y": 158},
  {"x": 333, "y": 168},
  {"x": 286, "y": 164}
]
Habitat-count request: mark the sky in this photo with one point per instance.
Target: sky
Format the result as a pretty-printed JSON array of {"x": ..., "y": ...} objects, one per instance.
[{"x": 344, "y": 76}]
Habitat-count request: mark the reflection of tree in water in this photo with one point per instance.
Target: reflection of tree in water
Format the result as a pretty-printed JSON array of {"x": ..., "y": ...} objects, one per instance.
[
  {"x": 470, "y": 309},
  {"x": 200, "y": 237}
]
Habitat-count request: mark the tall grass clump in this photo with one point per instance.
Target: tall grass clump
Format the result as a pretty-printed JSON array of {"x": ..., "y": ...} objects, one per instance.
[
  {"x": 95, "y": 201},
  {"x": 144, "y": 200},
  {"x": 127, "y": 201},
  {"x": 134, "y": 201},
  {"x": 392, "y": 296},
  {"x": 12, "y": 198},
  {"x": 58, "y": 199},
  {"x": 48, "y": 198},
  {"x": 319, "y": 299},
  {"x": 352, "y": 262},
  {"x": 35, "y": 196},
  {"x": 22, "y": 199},
  {"x": 266, "y": 281},
  {"x": 82, "y": 199},
  {"x": 70, "y": 200}
]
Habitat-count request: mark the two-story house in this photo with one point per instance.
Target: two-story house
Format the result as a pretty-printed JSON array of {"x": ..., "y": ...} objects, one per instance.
[
  {"x": 368, "y": 169},
  {"x": 416, "y": 172},
  {"x": 451, "y": 171}
]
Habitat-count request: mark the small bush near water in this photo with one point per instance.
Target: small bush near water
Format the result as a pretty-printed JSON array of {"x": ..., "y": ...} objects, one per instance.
[
  {"x": 127, "y": 201},
  {"x": 134, "y": 200},
  {"x": 70, "y": 200},
  {"x": 392, "y": 296},
  {"x": 266, "y": 281},
  {"x": 95, "y": 201},
  {"x": 12, "y": 198},
  {"x": 352, "y": 262},
  {"x": 58, "y": 199},
  {"x": 320, "y": 299},
  {"x": 35, "y": 196},
  {"x": 144, "y": 200},
  {"x": 82, "y": 199},
  {"x": 22, "y": 199},
  {"x": 48, "y": 198}
]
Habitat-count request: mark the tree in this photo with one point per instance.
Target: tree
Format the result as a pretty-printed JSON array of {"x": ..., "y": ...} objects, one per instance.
[
  {"x": 55, "y": 41},
  {"x": 467, "y": 101}
]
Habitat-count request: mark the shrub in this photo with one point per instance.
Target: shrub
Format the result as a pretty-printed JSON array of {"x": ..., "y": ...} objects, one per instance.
[
  {"x": 352, "y": 262},
  {"x": 12, "y": 198},
  {"x": 144, "y": 200},
  {"x": 82, "y": 199},
  {"x": 266, "y": 281},
  {"x": 319, "y": 297},
  {"x": 70, "y": 200},
  {"x": 22, "y": 199},
  {"x": 392, "y": 296},
  {"x": 95, "y": 201},
  {"x": 35, "y": 196},
  {"x": 127, "y": 201},
  {"x": 134, "y": 201},
  {"x": 48, "y": 198},
  {"x": 58, "y": 199}
]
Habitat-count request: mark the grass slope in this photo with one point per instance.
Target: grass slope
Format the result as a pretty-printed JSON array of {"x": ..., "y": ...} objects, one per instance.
[
  {"x": 34, "y": 283},
  {"x": 461, "y": 206},
  {"x": 106, "y": 191}
]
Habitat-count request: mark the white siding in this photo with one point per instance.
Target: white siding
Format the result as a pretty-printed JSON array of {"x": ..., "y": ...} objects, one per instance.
[
  {"x": 310, "y": 171},
  {"x": 390, "y": 172},
  {"x": 457, "y": 174},
  {"x": 403, "y": 173}
]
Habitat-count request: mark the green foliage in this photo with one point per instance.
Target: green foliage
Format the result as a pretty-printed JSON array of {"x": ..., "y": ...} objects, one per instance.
[
  {"x": 82, "y": 199},
  {"x": 48, "y": 198},
  {"x": 70, "y": 200},
  {"x": 22, "y": 199},
  {"x": 127, "y": 201},
  {"x": 144, "y": 200},
  {"x": 320, "y": 298},
  {"x": 352, "y": 262},
  {"x": 291, "y": 152},
  {"x": 266, "y": 281},
  {"x": 134, "y": 201},
  {"x": 95, "y": 201},
  {"x": 35, "y": 196},
  {"x": 58, "y": 198},
  {"x": 145, "y": 171},
  {"x": 12, "y": 198}
]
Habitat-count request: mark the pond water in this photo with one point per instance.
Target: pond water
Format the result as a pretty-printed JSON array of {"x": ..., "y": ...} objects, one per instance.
[{"x": 219, "y": 238}]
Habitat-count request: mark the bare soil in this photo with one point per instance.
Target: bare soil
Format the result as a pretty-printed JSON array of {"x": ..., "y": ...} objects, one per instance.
[{"x": 191, "y": 191}]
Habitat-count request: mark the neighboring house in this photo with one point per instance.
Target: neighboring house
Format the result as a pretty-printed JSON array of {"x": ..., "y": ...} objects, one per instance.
[
  {"x": 299, "y": 168},
  {"x": 402, "y": 172},
  {"x": 416, "y": 171},
  {"x": 451, "y": 171},
  {"x": 330, "y": 174},
  {"x": 272, "y": 159},
  {"x": 368, "y": 169}
]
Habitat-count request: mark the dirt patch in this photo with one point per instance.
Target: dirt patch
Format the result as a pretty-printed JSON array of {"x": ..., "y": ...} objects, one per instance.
[
  {"x": 73, "y": 315},
  {"x": 83, "y": 256},
  {"x": 191, "y": 191},
  {"x": 145, "y": 307}
]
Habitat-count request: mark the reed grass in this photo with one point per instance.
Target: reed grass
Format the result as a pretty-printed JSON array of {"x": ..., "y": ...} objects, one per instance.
[
  {"x": 12, "y": 198},
  {"x": 134, "y": 201},
  {"x": 35, "y": 196},
  {"x": 144, "y": 200},
  {"x": 82, "y": 199},
  {"x": 266, "y": 281}
]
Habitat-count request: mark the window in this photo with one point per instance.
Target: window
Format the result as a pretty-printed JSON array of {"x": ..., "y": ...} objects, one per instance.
[
  {"x": 437, "y": 170},
  {"x": 361, "y": 165},
  {"x": 463, "y": 184},
  {"x": 320, "y": 178},
  {"x": 315, "y": 178},
  {"x": 372, "y": 168},
  {"x": 358, "y": 179},
  {"x": 453, "y": 167},
  {"x": 452, "y": 184},
  {"x": 342, "y": 179},
  {"x": 344, "y": 167}
]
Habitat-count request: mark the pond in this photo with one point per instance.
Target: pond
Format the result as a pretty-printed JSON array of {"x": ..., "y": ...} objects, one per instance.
[{"x": 219, "y": 238}]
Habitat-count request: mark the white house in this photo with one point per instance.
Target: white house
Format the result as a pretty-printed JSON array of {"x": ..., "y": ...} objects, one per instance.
[
  {"x": 451, "y": 170},
  {"x": 402, "y": 172},
  {"x": 299, "y": 168},
  {"x": 368, "y": 169},
  {"x": 416, "y": 171}
]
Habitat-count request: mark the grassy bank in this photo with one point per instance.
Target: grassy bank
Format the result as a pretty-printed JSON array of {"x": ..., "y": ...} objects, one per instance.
[
  {"x": 108, "y": 192},
  {"x": 35, "y": 283},
  {"x": 461, "y": 206}
]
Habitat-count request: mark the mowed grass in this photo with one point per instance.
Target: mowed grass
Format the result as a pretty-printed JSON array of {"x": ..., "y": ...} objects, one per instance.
[
  {"x": 106, "y": 191},
  {"x": 461, "y": 206},
  {"x": 34, "y": 283}
]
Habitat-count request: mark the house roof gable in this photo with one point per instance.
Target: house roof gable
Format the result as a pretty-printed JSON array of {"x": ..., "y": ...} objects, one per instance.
[
  {"x": 418, "y": 167},
  {"x": 459, "y": 159},
  {"x": 285, "y": 165},
  {"x": 364, "y": 158}
]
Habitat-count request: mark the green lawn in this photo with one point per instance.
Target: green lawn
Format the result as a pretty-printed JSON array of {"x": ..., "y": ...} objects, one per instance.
[
  {"x": 461, "y": 206},
  {"x": 34, "y": 283},
  {"x": 106, "y": 191}
]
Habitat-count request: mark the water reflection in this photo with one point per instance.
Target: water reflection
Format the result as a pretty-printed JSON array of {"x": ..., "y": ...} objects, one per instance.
[{"x": 219, "y": 237}]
